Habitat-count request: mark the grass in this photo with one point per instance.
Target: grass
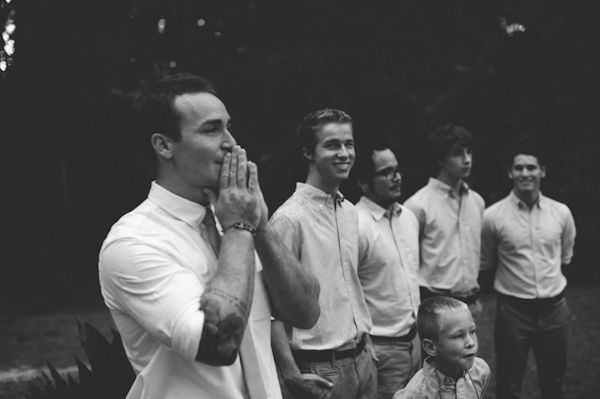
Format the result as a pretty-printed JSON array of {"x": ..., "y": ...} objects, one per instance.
[{"x": 29, "y": 341}]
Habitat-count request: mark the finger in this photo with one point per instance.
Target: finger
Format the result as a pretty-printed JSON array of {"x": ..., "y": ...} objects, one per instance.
[
  {"x": 242, "y": 171},
  {"x": 225, "y": 172},
  {"x": 234, "y": 166},
  {"x": 318, "y": 380},
  {"x": 253, "y": 185}
]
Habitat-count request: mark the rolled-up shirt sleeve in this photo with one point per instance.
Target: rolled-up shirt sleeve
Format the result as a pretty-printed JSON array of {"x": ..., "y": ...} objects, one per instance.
[{"x": 161, "y": 295}]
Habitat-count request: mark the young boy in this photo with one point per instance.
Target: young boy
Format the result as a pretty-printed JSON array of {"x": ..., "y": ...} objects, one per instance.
[{"x": 452, "y": 369}]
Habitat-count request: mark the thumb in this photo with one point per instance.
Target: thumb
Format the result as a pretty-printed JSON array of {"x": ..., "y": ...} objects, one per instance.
[
  {"x": 211, "y": 194},
  {"x": 317, "y": 379}
]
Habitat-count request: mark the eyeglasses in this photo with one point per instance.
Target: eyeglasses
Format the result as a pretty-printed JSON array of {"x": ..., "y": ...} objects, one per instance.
[{"x": 389, "y": 173}]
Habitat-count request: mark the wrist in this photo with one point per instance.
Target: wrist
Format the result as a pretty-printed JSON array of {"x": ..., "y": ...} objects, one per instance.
[{"x": 244, "y": 227}]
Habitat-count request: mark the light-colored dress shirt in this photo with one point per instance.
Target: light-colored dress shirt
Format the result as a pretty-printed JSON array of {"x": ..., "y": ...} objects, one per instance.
[
  {"x": 389, "y": 266},
  {"x": 321, "y": 230},
  {"x": 429, "y": 383},
  {"x": 450, "y": 237},
  {"x": 154, "y": 267},
  {"x": 528, "y": 246}
]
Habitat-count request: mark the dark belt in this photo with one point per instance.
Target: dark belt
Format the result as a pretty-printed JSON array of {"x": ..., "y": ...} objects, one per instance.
[
  {"x": 328, "y": 355},
  {"x": 469, "y": 300},
  {"x": 405, "y": 338},
  {"x": 539, "y": 302}
]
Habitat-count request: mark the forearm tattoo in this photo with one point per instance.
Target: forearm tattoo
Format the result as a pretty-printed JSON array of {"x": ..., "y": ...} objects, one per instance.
[{"x": 221, "y": 336}]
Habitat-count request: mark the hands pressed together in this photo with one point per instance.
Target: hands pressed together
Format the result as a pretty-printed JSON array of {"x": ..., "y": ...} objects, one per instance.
[{"x": 240, "y": 198}]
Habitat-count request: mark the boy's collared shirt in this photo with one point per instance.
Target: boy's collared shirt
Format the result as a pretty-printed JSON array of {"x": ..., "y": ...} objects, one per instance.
[
  {"x": 321, "y": 230},
  {"x": 528, "y": 246},
  {"x": 431, "y": 384},
  {"x": 450, "y": 237},
  {"x": 389, "y": 266}
]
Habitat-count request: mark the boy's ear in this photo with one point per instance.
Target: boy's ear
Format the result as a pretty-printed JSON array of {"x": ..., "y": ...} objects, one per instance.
[
  {"x": 307, "y": 153},
  {"x": 429, "y": 347}
]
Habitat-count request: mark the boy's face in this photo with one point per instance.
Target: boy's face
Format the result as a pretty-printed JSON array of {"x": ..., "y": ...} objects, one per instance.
[
  {"x": 526, "y": 174},
  {"x": 333, "y": 156},
  {"x": 457, "y": 342},
  {"x": 458, "y": 163}
]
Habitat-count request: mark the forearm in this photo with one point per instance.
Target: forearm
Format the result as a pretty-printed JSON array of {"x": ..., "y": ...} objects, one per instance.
[
  {"x": 227, "y": 300},
  {"x": 282, "y": 352},
  {"x": 294, "y": 290}
]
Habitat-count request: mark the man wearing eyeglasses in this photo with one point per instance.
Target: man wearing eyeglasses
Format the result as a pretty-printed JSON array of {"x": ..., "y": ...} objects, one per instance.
[{"x": 388, "y": 268}]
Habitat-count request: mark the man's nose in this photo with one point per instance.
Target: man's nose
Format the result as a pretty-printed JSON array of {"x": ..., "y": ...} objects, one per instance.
[{"x": 229, "y": 141}]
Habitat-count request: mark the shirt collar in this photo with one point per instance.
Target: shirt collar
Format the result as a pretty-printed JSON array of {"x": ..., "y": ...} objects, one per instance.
[
  {"x": 445, "y": 189},
  {"x": 522, "y": 205},
  {"x": 318, "y": 196},
  {"x": 189, "y": 212},
  {"x": 378, "y": 211},
  {"x": 436, "y": 377}
]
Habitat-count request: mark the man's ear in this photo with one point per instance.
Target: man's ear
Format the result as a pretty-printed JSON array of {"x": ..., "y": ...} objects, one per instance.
[
  {"x": 362, "y": 184},
  {"x": 307, "y": 153},
  {"x": 163, "y": 145},
  {"x": 542, "y": 172},
  {"x": 429, "y": 347}
]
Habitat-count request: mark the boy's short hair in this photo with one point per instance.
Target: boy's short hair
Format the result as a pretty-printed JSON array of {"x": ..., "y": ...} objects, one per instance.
[
  {"x": 445, "y": 139},
  {"x": 430, "y": 312},
  {"x": 525, "y": 148},
  {"x": 307, "y": 132}
]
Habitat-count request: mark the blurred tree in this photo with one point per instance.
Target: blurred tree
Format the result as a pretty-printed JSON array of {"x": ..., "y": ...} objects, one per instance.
[{"x": 503, "y": 69}]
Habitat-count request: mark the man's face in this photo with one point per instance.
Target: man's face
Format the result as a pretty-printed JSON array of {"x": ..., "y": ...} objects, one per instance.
[
  {"x": 205, "y": 139},
  {"x": 457, "y": 343},
  {"x": 526, "y": 174},
  {"x": 333, "y": 156},
  {"x": 458, "y": 163},
  {"x": 382, "y": 190}
]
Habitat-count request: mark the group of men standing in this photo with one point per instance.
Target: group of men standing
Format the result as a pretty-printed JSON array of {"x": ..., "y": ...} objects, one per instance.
[{"x": 325, "y": 292}]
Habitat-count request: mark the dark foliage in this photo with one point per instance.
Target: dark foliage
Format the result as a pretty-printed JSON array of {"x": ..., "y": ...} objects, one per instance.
[
  {"x": 397, "y": 66},
  {"x": 110, "y": 376}
]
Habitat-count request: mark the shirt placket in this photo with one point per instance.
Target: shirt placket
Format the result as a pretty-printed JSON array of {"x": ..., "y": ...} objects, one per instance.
[
  {"x": 398, "y": 243},
  {"x": 345, "y": 261},
  {"x": 461, "y": 227}
]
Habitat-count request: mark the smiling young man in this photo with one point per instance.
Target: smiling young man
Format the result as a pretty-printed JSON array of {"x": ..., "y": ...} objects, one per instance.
[
  {"x": 320, "y": 227},
  {"x": 389, "y": 267},
  {"x": 527, "y": 238},
  {"x": 450, "y": 216},
  {"x": 192, "y": 304}
]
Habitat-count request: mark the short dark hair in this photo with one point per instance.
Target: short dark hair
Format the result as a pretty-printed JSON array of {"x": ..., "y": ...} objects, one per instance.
[
  {"x": 313, "y": 122},
  {"x": 153, "y": 109},
  {"x": 447, "y": 138},
  {"x": 364, "y": 167},
  {"x": 525, "y": 148},
  {"x": 430, "y": 312}
]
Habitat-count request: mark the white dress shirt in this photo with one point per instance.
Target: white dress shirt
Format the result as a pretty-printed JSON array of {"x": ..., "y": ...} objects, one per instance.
[
  {"x": 154, "y": 267},
  {"x": 389, "y": 266},
  {"x": 528, "y": 246}
]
